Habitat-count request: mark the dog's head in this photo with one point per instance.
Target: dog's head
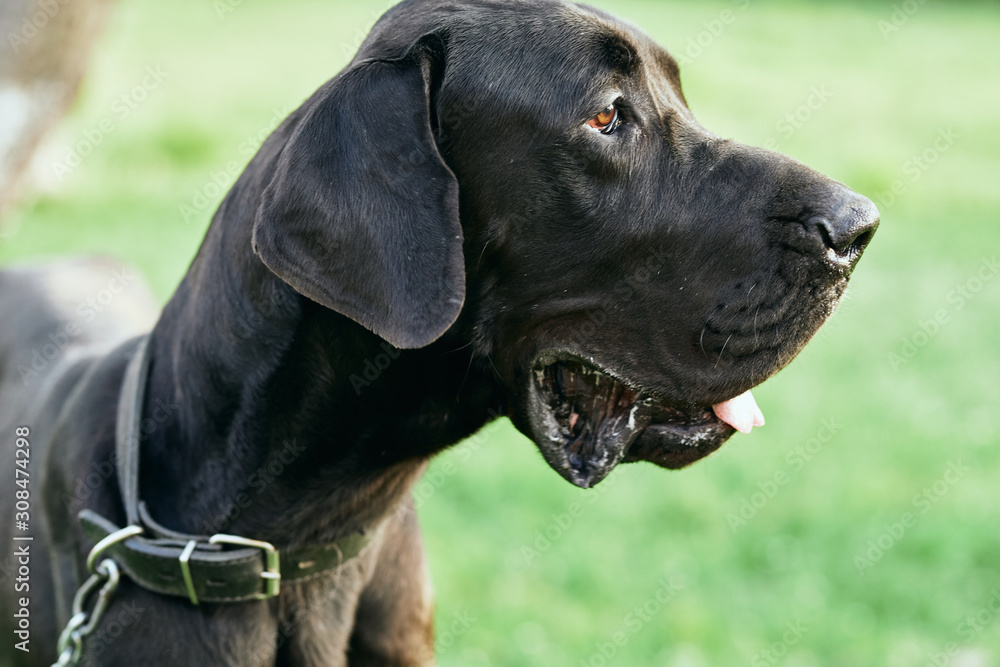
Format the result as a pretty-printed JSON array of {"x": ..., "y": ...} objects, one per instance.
[{"x": 532, "y": 170}]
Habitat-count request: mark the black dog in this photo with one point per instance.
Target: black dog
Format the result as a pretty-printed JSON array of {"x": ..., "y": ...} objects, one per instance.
[{"x": 510, "y": 207}]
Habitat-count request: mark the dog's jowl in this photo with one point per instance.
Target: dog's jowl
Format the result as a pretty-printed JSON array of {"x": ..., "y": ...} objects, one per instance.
[{"x": 496, "y": 209}]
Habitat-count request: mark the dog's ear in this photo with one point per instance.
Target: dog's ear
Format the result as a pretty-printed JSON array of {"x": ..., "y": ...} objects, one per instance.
[{"x": 361, "y": 214}]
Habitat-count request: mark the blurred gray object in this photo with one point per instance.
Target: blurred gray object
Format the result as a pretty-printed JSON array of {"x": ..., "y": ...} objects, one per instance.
[{"x": 43, "y": 55}]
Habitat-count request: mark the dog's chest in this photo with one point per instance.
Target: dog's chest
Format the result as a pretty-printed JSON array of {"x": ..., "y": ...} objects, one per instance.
[{"x": 317, "y": 616}]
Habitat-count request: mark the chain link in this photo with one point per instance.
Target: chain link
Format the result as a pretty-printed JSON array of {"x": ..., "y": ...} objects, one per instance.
[{"x": 83, "y": 623}]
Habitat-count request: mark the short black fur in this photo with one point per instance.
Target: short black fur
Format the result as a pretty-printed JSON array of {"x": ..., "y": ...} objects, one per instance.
[{"x": 410, "y": 255}]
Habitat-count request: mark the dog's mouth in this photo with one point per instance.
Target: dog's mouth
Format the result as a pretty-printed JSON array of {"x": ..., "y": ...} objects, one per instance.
[{"x": 586, "y": 421}]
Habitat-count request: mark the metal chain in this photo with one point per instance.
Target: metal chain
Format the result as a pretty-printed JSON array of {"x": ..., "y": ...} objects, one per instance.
[{"x": 81, "y": 623}]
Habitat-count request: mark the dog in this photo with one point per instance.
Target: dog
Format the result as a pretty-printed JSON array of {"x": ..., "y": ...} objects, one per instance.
[{"x": 504, "y": 209}]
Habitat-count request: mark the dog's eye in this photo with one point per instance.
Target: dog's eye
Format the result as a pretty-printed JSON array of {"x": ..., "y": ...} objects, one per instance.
[{"x": 607, "y": 121}]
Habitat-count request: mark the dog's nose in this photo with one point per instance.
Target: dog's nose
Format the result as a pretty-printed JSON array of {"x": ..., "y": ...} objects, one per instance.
[{"x": 847, "y": 231}]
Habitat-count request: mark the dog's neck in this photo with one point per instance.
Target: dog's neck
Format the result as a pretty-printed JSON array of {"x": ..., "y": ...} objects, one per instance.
[{"x": 272, "y": 417}]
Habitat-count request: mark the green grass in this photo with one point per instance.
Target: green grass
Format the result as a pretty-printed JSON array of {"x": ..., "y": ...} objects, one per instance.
[{"x": 899, "y": 426}]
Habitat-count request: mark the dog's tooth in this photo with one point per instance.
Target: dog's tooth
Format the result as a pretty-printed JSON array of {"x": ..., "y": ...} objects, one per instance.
[
  {"x": 590, "y": 404},
  {"x": 621, "y": 397}
]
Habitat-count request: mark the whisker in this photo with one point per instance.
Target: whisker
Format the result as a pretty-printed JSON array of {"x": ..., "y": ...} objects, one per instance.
[
  {"x": 480, "y": 261},
  {"x": 723, "y": 350}
]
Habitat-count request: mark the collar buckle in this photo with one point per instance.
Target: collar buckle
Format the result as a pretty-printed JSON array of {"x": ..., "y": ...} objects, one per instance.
[{"x": 272, "y": 563}]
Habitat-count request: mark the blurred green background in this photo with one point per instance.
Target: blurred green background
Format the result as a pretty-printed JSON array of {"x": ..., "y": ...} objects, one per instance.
[{"x": 836, "y": 535}]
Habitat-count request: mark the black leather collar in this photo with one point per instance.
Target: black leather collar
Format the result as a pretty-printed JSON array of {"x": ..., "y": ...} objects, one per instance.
[{"x": 199, "y": 567}]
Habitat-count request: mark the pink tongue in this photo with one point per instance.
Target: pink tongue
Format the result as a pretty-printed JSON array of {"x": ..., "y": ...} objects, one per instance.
[{"x": 741, "y": 412}]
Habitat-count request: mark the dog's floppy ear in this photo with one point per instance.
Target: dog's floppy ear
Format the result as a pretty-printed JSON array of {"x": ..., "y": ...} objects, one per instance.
[{"x": 361, "y": 215}]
